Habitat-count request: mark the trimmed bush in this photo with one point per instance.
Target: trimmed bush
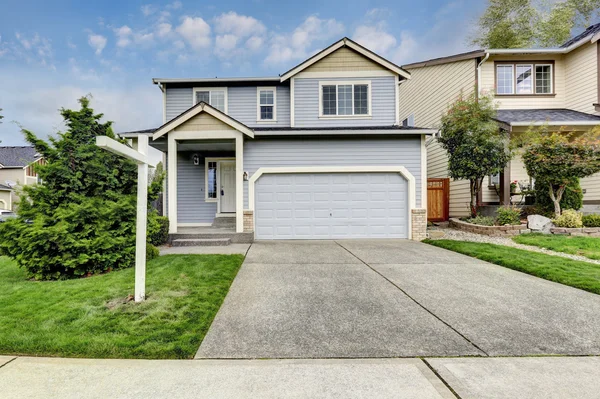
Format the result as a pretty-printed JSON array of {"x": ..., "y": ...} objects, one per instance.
[
  {"x": 158, "y": 229},
  {"x": 572, "y": 197},
  {"x": 570, "y": 218},
  {"x": 591, "y": 220},
  {"x": 508, "y": 215},
  {"x": 151, "y": 252},
  {"x": 481, "y": 220}
]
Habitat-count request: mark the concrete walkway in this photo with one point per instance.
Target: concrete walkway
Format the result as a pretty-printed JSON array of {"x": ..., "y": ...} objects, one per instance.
[
  {"x": 482, "y": 378},
  {"x": 393, "y": 298}
]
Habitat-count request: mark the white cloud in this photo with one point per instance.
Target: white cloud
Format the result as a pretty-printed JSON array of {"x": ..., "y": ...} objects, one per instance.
[
  {"x": 123, "y": 36},
  {"x": 299, "y": 43},
  {"x": 163, "y": 29},
  {"x": 148, "y": 9},
  {"x": 70, "y": 43},
  {"x": 374, "y": 38},
  {"x": 33, "y": 50},
  {"x": 254, "y": 43},
  {"x": 176, "y": 5},
  {"x": 232, "y": 30},
  {"x": 196, "y": 32},
  {"x": 97, "y": 42}
]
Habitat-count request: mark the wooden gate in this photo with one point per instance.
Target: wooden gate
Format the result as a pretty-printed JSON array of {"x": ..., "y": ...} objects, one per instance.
[{"x": 438, "y": 200}]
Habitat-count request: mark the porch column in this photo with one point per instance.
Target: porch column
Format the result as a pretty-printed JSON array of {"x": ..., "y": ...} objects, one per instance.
[
  {"x": 239, "y": 183},
  {"x": 172, "y": 184},
  {"x": 505, "y": 186}
]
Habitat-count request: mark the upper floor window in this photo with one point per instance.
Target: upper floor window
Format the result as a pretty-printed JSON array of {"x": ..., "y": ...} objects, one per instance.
[
  {"x": 345, "y": 99},
  {"x": 266, "y": 99},
  {"x": 524, "y": 78},
  {"x": 217, "y": 97}
]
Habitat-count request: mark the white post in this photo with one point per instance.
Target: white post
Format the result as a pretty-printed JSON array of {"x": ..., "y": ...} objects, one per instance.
[
  {"x": 239, "y": 183},
  {"x": 172, "y": 184},
  {"x": 140, "y": 232}
]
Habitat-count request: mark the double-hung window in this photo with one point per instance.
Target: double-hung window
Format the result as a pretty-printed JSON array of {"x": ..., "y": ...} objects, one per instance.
[
  {"x": 524, "y": 78},
  {"x": 345, "y": 99},
  {"x": 217, "y": 97},
  {"x": 266, "y": 100}
]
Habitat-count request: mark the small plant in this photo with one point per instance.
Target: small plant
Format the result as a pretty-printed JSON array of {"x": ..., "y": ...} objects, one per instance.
[
  {"x": 513, "y": 186},
  {"x": 591, "y": 220},
  {"x": 508, "y": 215},
  {"x": 481, "y": 220},
  {"x": 158, "y": 229},
  {"x": 570, "y": 218}
]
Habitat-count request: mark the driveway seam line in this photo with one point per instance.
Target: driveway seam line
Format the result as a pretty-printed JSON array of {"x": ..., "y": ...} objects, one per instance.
[
  {"x": 414, "y": 300},
  {"x": 439, "y": 376},
  {"x": 10, "y": 361}
]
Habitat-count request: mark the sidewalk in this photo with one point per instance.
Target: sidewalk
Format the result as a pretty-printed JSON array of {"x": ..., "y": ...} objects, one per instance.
[{"x": 539, "y": 377}]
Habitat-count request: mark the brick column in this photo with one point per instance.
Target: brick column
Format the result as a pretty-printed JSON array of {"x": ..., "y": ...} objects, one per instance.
[
  {"x": 248, "y": 221},
  {"x": 419, "y": 223}
]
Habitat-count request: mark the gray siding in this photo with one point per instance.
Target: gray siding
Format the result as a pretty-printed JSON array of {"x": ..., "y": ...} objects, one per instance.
[
  {"x": 178, "y": 100},
  {"x": 405, "y": 151},
  {"x": 306, "y": 103},
  {"x": 191, "y": 207},
  {"x": 242, "y": 106}
]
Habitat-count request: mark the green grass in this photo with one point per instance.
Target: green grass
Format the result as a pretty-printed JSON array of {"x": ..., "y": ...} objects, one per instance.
[
  {"x": 584, "y": 246},
  {"x": 583, "y": 275},
  {"x": 88, "y": 317}
]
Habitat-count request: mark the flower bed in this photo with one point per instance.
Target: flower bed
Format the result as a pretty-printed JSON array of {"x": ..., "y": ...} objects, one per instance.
[{"x": 498, "y": 231}]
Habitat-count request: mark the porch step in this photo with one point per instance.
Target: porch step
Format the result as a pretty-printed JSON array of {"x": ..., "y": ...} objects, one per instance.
[
  {"x": 224, "y": 222},
  {"x": 201, "y": 242}
]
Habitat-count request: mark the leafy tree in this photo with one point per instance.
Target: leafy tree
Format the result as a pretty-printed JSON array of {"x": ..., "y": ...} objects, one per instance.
[
  {"x": 476, "y": 147},
  {"x": 522, "y": 23},
  {"x": 556, "y": 159},
  {"x": 81, "y": 220}
]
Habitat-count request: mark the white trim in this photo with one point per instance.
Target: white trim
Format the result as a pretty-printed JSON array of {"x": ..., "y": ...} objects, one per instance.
[
  {"x": 349, "y": 132},
  {"x": 239, "y": 184},
  {"x": 513, "y": 78},
  {"x": 218, "y": 177},
  {"x": 292, "y": 102},
  {"x": 204, "y": 135},
  {"x": 172, "y": 183},
  {"x": 344, "y": 74},
  {"x": 397, "y": 96},
  {"x": 535, "y": 78},
  {"x": 258, "y": 104},
  {"x": 210, "y": 91},
  {"x": 4, "y": 202},
  {"x": 349, "y": 43},
  {"x": 164, "y": 92},
  {"x": 169, "y": 126},
  {"x": 338, "y": 83},
  {"x": 194, "y": 224},
  {"x": 123, "y": 150},
  {"x": 557, "y": 123},
  {"x": 164, "y": 185},
  {"x": 423, "y": 173},
  {"x": 532, "y": 77},
  {"x": 410, "y": 178}
]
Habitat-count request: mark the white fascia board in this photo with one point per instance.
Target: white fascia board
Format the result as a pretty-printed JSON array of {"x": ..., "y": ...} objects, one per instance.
[
  {"x": 556, "y": 123},
  {"x": 565, "y": 50},
  {"x": 394, "y": 132},
  {"x": 213, "y": 80}
]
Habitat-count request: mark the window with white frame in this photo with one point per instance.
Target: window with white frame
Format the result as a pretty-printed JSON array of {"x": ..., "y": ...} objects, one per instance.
[
  {"x": 217, "y": 97},
  {"x": 345, "y": 99},
  {"x": 211, "y": 179},
  {"x": 266, "y": 98},
  {"x": 524, "y": 78}
]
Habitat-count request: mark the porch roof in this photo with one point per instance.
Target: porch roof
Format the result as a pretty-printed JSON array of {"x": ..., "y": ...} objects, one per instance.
[{"x": 557, "y": 117}]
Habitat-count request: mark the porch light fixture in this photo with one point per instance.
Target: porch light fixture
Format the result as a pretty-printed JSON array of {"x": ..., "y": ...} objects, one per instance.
[
  {"x": 196, "y": 159},
  {"x": 245, "y": 176}
]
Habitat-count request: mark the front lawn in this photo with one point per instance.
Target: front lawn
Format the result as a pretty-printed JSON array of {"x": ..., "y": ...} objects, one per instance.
[
  {"x": 583, "y": 275},
  {"x": 584, "y": 246},
  {"x": 88, "y": 317}
]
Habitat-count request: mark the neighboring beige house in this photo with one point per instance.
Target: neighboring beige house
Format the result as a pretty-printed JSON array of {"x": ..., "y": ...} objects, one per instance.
[
  {"x": 17, "y": 168},
  {"x": 557, "y": 86}
]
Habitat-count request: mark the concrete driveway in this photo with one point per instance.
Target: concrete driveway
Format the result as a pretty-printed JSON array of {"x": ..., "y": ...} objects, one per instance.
[{"x": 393, "y": 298}]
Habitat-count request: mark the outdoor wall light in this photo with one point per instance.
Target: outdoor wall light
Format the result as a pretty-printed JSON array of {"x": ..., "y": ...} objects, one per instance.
[
  {"x": 196, "y": 159},
  {"x": 245, "y": 176}
]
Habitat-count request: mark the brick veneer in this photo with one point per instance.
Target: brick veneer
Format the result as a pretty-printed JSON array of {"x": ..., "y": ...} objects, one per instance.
[
  {"x": 419, "y": 223},
  {"x": 248, "y": 221},
  {"x": 507, "y": 230}
]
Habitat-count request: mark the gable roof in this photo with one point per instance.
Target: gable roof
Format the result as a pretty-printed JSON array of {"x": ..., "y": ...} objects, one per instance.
[
  {"x": 345, "y": 42},
  {"x": 591, "y": 30},
  {"x": 197, "y": 109},
  {"x": 17, "y": 157},
  {"x": 526, "y": 117},
  {"x": 444, "y": 60}
]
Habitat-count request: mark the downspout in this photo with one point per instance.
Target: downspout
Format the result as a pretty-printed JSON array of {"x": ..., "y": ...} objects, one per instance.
[{"x": 487, "y": 55}]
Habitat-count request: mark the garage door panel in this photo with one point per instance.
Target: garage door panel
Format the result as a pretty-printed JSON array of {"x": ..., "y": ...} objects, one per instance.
[{"x": 336, "y": 205}]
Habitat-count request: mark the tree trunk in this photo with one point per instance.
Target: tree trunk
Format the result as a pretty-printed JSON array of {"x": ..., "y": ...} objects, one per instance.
[
  {"x": 475, "y": 187},
  {"x": 556, "y": 197}
]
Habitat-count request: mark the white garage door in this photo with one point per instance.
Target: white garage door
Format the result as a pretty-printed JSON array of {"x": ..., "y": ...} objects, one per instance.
[{"x": 334, "y": 205}]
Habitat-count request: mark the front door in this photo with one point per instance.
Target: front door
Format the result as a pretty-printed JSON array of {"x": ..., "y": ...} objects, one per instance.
[{"x": 227, "y": 186}]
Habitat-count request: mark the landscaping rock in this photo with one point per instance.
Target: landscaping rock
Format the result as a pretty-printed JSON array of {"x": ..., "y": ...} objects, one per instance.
[{"x": 539, "y": 224}]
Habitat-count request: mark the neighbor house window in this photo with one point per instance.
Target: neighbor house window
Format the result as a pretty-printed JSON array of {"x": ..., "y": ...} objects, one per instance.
[
  {"x": 524, "y": 78},
  {"x": 213, "y": 96},
  {"x": 345, "y": 99},
  {"x": 211, "y": 179},
  {"x": 410, "y": 121},
  {"x": 266, "y": 100}
]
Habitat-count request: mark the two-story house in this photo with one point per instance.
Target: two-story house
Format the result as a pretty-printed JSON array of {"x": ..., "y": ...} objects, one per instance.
[
  {"x": 17, "y": 168},
  {"x": 556, "y": 86},
  {"x": 317, "y": 152}
]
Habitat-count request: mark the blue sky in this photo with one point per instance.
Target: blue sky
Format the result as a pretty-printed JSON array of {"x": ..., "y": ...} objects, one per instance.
[{"x": 53, "y": 52}]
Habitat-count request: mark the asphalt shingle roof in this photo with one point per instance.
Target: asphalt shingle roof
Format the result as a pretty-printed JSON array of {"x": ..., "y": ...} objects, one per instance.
[
  {"x": 17, "y": 156},
  {"x": 589, "y": 31},
  {"x": 549, "y": 115}
]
